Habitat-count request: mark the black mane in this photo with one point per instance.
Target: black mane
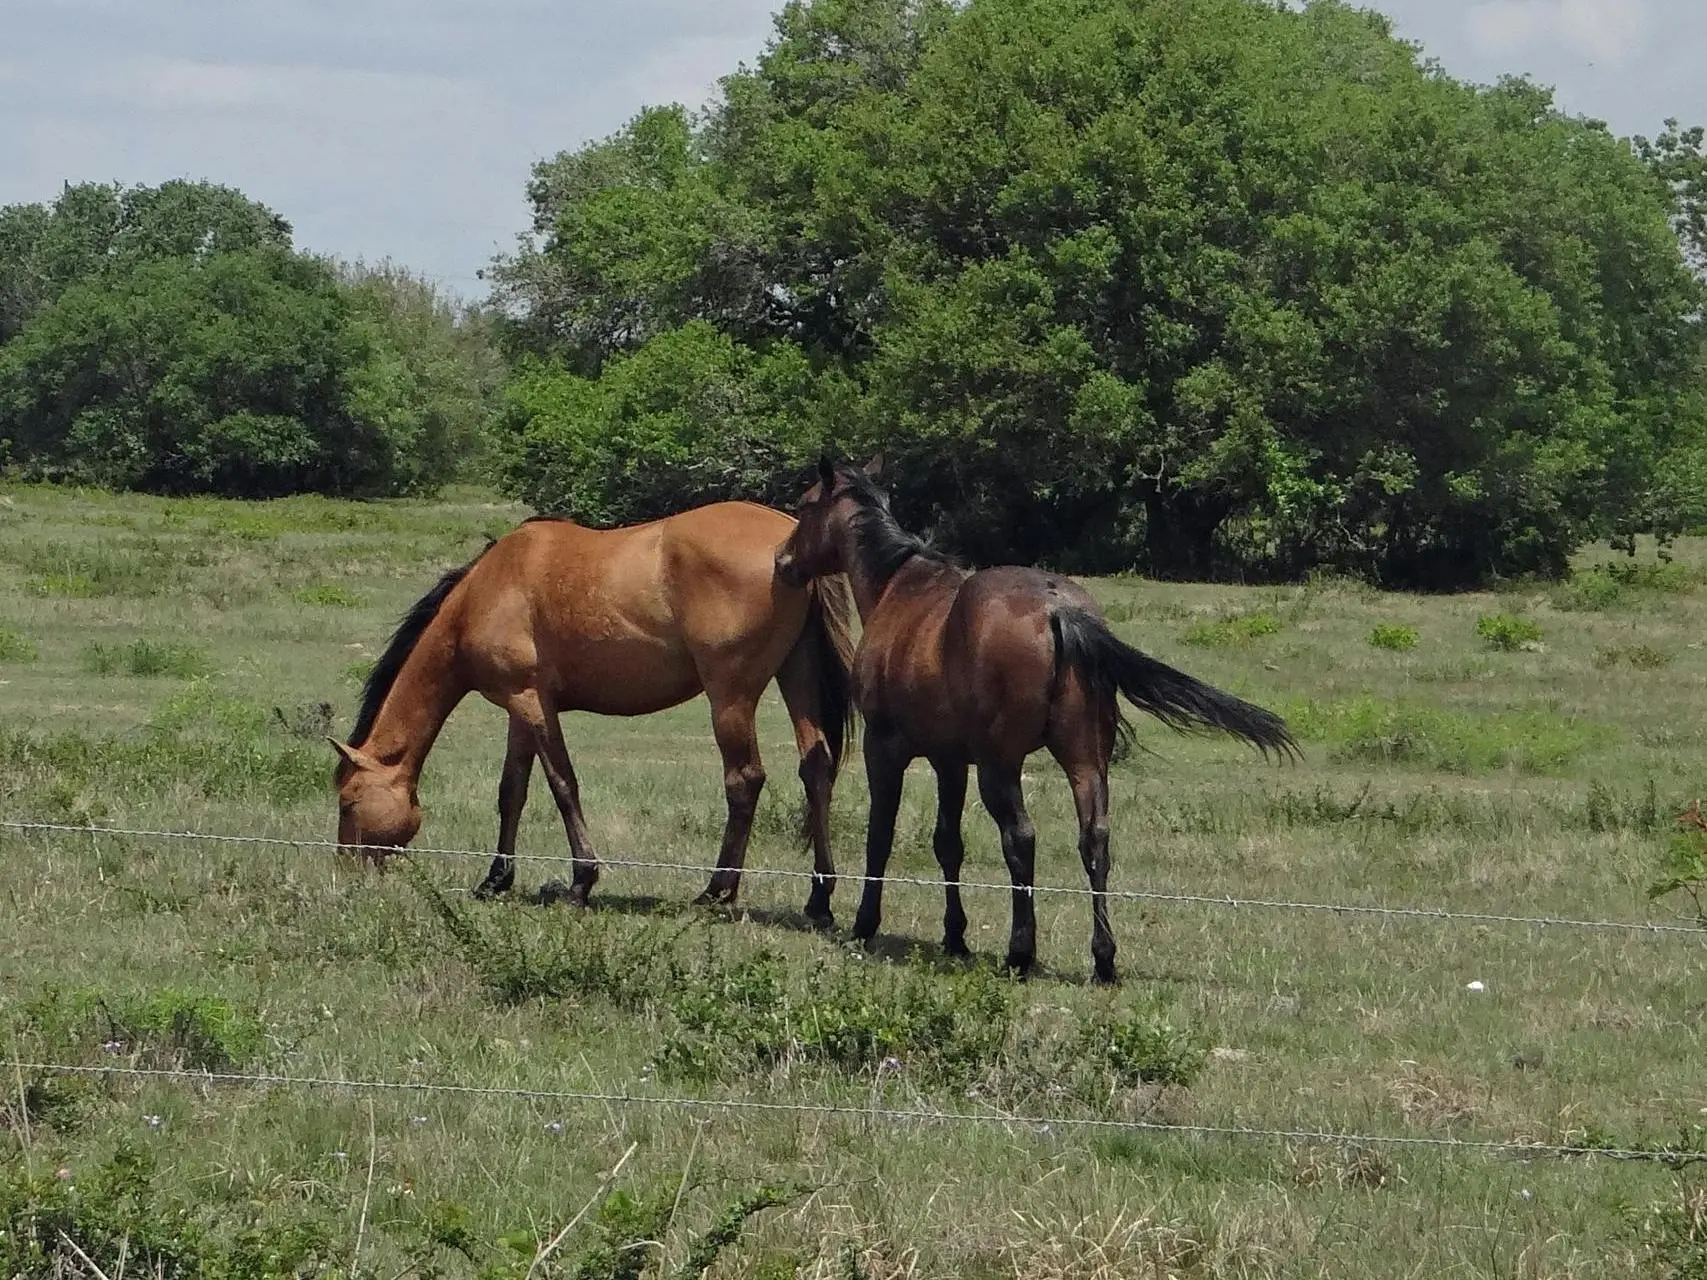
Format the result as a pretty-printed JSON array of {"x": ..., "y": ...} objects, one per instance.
[
  {"x": 880, "y": 542},
  {"x": 402, "y": 644}
]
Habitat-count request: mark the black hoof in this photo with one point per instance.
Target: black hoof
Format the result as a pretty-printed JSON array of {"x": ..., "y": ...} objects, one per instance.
[
  {"x": 710, "y": 897},
  {"x": 489, "y": 888},
  {"x": 1106, "y": 977},
  {"x": 1020, "y": 966},
  {"x": 553, "y": 892},
  {"x": 956, "y": 949},
  {"x": 820, "y": 921}
]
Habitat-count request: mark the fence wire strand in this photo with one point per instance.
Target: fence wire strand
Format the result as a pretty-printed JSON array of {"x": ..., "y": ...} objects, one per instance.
[
  {"x": 1037, "y": 1124},
  {"x": 1650, "y": 928}
]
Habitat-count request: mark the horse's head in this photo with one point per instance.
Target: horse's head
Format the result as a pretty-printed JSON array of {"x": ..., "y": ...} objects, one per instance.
[
  {"x": 825, "y": 512},
  {"x": 377, "y": 805}
]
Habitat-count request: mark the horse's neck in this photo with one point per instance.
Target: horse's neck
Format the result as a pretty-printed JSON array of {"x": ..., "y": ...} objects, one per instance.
[
  {"x": 425, "y": 693},
  {"x": 868, "y": 588}
]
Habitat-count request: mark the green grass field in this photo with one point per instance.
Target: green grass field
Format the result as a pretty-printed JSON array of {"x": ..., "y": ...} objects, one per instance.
[{"x": 164, "y": 664}]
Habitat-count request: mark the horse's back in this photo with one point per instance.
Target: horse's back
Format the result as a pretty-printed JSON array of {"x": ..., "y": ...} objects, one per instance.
[
  {"x": 719, "y": 566},
  {"x": 620, "y": 621}
]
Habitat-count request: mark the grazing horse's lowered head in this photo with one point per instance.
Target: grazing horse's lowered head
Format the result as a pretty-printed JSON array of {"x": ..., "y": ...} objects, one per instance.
[{"x": 377, "y": 804}]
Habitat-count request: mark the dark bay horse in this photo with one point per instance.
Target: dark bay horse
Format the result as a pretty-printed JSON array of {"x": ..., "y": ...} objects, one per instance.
[
  {"x": 556, "y": 617},
  {"x": 984, "y": 669}
]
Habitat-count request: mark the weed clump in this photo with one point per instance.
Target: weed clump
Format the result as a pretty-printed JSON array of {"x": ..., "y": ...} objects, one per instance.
[
  {"x": 729, "y": 1019},
  {"x": 1507, "y": 632},
  {"x": 115, "y": 1217},
  {"x": 1685, "y": 867},
  {"x": 16, "y": 648},
  {"x": 329, "y": 595},
  {"x": 1395, "y": 637},
  {"x": 1145, "y": 1049},
  {"x": 145, "y": 658},
  {"x": 1232, "y": 631},
  {"x": 221, "y": 748},
  {"x": 1373, "y": 730},
  {"x": 1642, "y": 657},
  {"x": 1615, "y": 584},
  {"x": 166, "y": 1028}
]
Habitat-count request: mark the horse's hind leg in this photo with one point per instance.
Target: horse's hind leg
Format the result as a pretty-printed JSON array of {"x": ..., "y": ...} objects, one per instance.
[
  {"x": 999, "y": 788},
  {"x": 1090, "y": 798},
  {"x": 553, "y": 753},
  {"x": 733, "y": 724},
  {"x": 950, "y": 850},
  {"x": 1081, "y": 738},
  {"x": 512, "y": 796},
  {"x": 817, "y": 776},
  {"x": 886, "y": 763}
]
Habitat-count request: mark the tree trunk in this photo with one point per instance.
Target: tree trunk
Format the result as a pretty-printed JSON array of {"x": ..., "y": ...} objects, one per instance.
[{"x": 1179, "y": 533}]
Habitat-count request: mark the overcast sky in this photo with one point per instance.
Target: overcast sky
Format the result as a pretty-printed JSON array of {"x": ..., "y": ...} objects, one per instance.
[{"x": 406, "y": 127}]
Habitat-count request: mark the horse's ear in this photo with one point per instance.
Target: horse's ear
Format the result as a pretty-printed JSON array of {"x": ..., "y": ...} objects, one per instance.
[
  {"x": 874, "y": 468},
  {"x": 826, "y": 472},
  {"x": 359, "y": 759}
]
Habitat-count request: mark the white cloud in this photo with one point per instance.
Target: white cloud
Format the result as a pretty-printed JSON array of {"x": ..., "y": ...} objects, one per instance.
[{"x": 1609, "y": 30}]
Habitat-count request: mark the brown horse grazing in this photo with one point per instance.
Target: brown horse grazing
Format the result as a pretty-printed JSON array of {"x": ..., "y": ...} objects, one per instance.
[
  {"x": 556, "y": 617},
  {"x": 984, "y": 669}
]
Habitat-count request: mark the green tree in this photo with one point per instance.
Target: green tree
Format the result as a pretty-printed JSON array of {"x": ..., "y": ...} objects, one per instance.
[
  {"x": 433, "y": 374},
  {"x": 693, "y": 416},
  {"x": 1195, "y": 284},
  {"x": 169, "y": 338},
  {"x": 94, "y": 228}
]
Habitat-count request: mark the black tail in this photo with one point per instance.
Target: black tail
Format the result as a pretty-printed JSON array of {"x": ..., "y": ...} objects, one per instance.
[
  {"x": 829, "y": 623},
  {"x": 1084, "y": 643}
]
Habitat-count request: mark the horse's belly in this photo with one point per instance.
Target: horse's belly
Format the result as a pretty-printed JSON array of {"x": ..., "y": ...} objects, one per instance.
[{"x": 618, "y": 679}]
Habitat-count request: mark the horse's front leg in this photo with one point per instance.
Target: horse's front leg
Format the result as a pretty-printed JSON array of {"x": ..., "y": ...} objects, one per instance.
[
  {"x": 734, "y": 725},
  {"x": 553, "y": 753},
  {"x": 512, "y": 798}
]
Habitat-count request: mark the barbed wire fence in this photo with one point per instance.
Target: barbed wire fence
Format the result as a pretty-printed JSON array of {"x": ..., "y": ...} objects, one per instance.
[
  {"x": 1634, "y": 927},
  {"x": 1043, "y": 1125},
  {"x": 1674, "y": 1157}
]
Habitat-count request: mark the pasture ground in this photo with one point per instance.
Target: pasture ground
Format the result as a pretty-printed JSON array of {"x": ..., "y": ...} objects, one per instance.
[{"x": 162, "y": 665}]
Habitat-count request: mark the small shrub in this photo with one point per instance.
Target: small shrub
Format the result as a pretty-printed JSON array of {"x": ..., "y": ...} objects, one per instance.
[
  {"x": 215, "y": 761},
  {"x": 1232, "y": 631},
  {"x": 1588, "y": 591},
  {"x": 731, "y": 1019},
  {"x": 1685, "y": 867},
  {"x": 1372, "y": 730},
  {"x": 70, "y": 586},
  {"x": 145, "y": 658},
  {"x": 114, "y": 1220},
  {"x": 1609, "y": 585},
  {"x": 16, "y": 648},
  {"x": 1608, "y": 810},
  {"x": 1642, "y": 657},
  {"x": 1672, "y": 1233},
  {"x": 169, "y": 1027},
  {"x": 329, "y": 595},
  {"x": 627, "y": 1238},
  {"x": 1507, "y": 632},
  {"x": 1144, "y": 1049},
  {"x": 1394, "y": 636}
]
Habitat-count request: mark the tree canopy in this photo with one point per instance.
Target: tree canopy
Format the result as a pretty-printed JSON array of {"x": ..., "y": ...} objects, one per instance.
[
  {"x": 171, "y": 339},
  {"x": 1195, "y": 285}
]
